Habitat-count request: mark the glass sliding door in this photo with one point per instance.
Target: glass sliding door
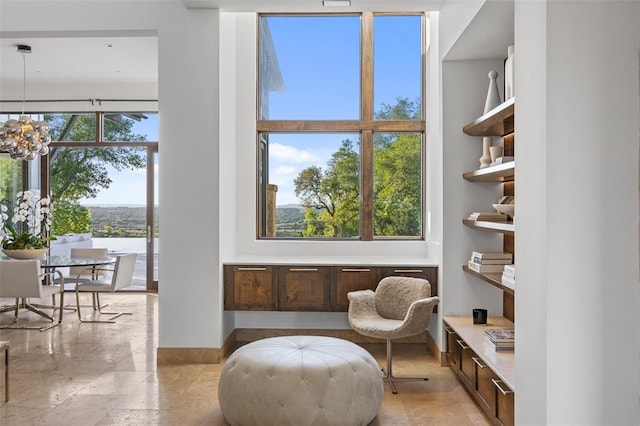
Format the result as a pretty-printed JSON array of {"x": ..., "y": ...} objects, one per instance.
[{"x": 103, "y": 190}]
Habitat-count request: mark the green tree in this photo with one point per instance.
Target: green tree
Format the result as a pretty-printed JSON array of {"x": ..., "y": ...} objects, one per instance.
[
  {"x": 331, "y": 197},
  {"x": 398, "y": 174},
  {"x": 332, "y": 194},
  {"x": 82, "y": 172}
]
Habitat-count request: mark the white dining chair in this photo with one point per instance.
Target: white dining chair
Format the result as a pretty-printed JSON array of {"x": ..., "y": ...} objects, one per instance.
[
  {"x": 122, "y": 275},
  {"x": 86, "y": 273},
  {"x": 23, "y": 279}
]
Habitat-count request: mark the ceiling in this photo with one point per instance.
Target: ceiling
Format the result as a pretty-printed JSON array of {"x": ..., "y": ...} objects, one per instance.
[{"x": 107, "y": 60}]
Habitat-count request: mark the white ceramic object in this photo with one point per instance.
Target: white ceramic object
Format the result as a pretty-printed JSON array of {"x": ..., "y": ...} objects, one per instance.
[
  {"x": 26, "y": 254},
  {"x": 509, "y": 81},
  {"x": 485, "y": 160},
  {"x": 496, "y": 152},
  {"x": 493, "y": 94},
  {"x": 507, "y": 209}
]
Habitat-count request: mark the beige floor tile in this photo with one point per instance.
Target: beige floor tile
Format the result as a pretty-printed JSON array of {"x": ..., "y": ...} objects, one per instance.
[{"x": 106, "y": 374}]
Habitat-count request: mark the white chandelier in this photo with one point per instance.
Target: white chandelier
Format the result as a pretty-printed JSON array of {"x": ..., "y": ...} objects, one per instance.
[{"x": 24, "y": 139}]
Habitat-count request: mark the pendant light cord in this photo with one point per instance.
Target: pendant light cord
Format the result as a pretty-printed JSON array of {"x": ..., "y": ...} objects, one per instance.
[{"x": 24, "y": 82}]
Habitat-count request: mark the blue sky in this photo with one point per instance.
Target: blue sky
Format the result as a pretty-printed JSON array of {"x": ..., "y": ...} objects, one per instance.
[
  {"x": 320, "y": 63},
  {"x": 129, "y": 187}
]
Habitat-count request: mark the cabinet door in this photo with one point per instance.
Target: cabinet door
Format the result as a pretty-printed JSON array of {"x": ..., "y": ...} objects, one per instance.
[
  {"x": 303, "y": 288},
  {"x": 485, "y": 390},
  {"x": 504, "y": 404},
  {"x": 349, "y": 279},
  {"x": 250, "y": 288},
  {"x": 453, "y": 349},
  {"x": 466, "y": 369},
  {"x": 429, "y": 273}
]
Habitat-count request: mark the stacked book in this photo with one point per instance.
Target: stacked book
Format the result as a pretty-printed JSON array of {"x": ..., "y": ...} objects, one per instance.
[
  {"x": 488, "y": 216},
  {"x": 487, "y": 262},
  {"x": 502, "y": 338},
  {"x": 509, "y": 276}
]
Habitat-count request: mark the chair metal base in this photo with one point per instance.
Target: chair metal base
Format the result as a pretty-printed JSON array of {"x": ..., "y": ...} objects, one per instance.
[
  {"x": 98, "y": 307},
  {"x": 33, "y": 308},
  {"x": 388, "y": 375}
]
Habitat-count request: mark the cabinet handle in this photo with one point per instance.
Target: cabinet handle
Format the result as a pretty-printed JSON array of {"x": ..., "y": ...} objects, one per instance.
[
  {"x": 462, "y": 344},
  {"x": 449, "y": 330},
  {"x": 303, "y": 269},
  {"x": 497, "y": 383},
  {"x": 399, "y": 271},
  {"x": 477, "y": 361},
  {"x": 356, "y": 270},
  {"x": 251, "y": 269}
]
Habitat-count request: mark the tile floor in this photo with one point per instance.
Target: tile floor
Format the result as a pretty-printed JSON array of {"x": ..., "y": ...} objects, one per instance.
[{"x": 106, "y": 374}]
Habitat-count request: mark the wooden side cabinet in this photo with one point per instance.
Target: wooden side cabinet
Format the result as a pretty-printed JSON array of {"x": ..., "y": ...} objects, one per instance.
[
  {"x": 250, "y": 287},
  {"x": 319, "y": 288},
  {"x": 348, "y": 279},
  {"x": 303, "y": 288}
]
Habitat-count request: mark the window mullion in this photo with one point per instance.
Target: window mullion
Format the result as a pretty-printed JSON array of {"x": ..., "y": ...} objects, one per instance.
[
  {"x": 366, "y": 186},
  {"x": 366, "y": 64}
]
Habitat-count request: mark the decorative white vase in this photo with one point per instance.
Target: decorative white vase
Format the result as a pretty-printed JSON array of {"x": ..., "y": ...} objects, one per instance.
[
  {"x": 493, "y": 95},
  {"x": 485, "y": 160},
  {"x": 509, "y": 69},
  {"x": 26, "y": 254}
]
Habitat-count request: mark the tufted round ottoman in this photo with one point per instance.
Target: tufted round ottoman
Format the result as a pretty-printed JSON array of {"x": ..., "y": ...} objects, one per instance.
[{"x": 300, "y": 380}]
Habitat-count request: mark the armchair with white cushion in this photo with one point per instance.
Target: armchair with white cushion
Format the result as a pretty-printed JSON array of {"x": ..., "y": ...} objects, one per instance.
[{"x": 400, "y": 307}]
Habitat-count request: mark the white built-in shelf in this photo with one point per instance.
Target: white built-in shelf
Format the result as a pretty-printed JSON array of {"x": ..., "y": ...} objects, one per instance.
[
  {"x": 499, "y": 173},
  {"x": 494, "y": 279},
  {"x": 497, "y": 122},
  {"x": 501, "y": 227}
]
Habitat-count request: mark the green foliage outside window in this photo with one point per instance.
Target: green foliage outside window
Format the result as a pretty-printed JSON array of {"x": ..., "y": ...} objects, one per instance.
[{"x": 331, "y": 197}]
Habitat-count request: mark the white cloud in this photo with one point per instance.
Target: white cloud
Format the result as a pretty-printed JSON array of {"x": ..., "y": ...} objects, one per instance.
[
  {"x": 289, "y": 153},
  {"x": 285, "y": 170}
]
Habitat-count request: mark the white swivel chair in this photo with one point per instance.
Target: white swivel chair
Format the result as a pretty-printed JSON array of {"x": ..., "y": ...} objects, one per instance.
[
  {"x": 400, "y": 307},
  {"x": 22, "y": 279},
  {"x": 122, "y": 275}
]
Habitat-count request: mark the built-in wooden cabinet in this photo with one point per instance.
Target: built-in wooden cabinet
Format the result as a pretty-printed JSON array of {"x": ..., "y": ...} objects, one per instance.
[
  {"x": 488, "y": 375},
  {"x": 308, "y": 287},
  {"x": 250, "y": 287},
  {"x": 303, "y": 288},
  {"x": 351, "y": 278}
]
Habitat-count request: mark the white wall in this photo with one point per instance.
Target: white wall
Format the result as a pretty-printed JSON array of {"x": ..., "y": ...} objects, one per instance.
[{"x": 578, "y": 309}]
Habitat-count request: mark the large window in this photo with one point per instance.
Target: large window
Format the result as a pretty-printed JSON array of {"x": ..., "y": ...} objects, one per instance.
[{"x": 341, "y": 126}]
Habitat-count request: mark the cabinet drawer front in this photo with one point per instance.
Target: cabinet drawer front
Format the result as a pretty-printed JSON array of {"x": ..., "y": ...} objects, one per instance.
[
  {"x": 453, "y": 349},
  {"x": 303, "y": 288},
  {"x": 250, "y": 288},
  {"x": 485, "y": 390},
  {"x": 348, "y": 279},
  {"x": 466, "y": 368},
  {"x": 504, "y": 404}
]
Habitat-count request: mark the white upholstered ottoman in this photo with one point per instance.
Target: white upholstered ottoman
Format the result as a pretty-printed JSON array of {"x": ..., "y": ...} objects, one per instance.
[{"x": 300, "y": 380}]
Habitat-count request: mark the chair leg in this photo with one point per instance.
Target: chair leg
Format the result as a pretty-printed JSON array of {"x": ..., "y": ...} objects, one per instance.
[
  {"x": 96, "y": 303},
  {"x": 389, "y": 377}
]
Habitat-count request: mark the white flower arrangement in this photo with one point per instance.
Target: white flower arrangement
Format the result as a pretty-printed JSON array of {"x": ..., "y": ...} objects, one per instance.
[{"x": 30, "y": 221}]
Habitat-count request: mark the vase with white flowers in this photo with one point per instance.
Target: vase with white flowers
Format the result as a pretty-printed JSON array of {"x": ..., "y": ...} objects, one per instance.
[{"x": 25, "y": 235}]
